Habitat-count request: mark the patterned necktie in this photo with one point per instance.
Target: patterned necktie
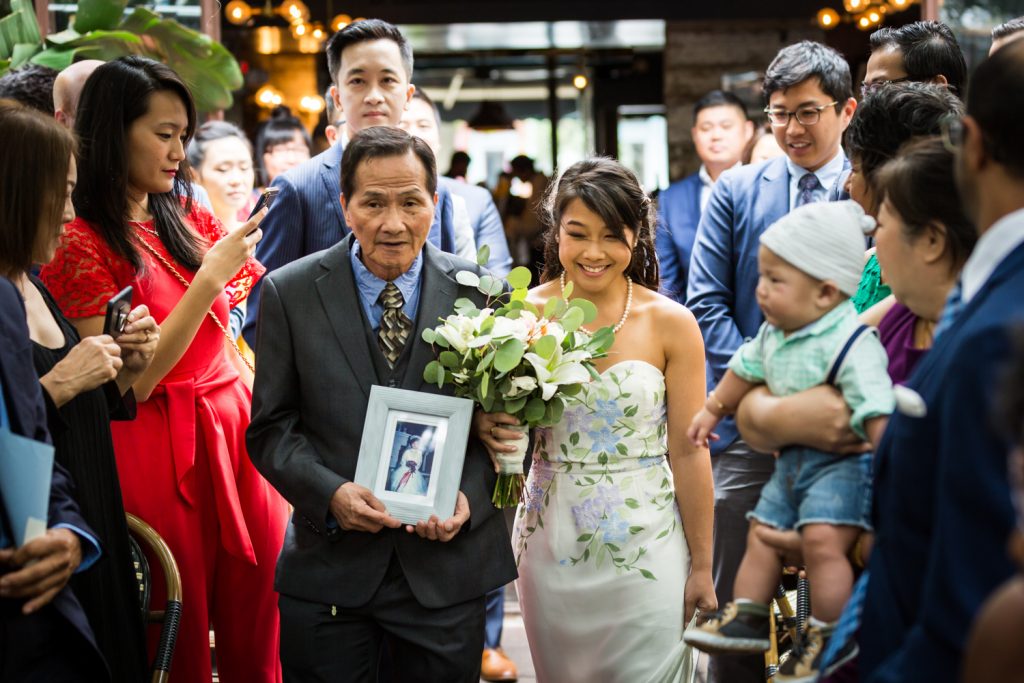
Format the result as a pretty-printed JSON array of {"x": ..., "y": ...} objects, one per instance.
[
  {"x": 394, "y": 324},
  {"x": 954, "y": 303},
  {"x": 807, "y": 186}
]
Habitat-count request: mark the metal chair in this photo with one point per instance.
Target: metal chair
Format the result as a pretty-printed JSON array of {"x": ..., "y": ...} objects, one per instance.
[{"x": 170, "y": 616}]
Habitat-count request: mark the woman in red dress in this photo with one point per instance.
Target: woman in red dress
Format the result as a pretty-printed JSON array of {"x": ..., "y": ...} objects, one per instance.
[{"x": 182, "y": 463}]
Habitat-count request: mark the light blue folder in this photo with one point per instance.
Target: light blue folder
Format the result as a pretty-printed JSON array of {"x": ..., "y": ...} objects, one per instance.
[{"x": 26, "y": 468}]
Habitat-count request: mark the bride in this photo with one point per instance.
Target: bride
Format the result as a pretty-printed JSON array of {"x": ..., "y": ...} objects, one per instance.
[{"x": 613, "y": 537}]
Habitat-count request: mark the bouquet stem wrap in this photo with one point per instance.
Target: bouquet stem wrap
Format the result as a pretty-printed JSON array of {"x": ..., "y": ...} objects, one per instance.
[{"x": 508, "y": 490}]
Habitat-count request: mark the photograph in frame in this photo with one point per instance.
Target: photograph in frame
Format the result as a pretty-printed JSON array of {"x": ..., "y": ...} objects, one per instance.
[{"x": 412, "y": 450}]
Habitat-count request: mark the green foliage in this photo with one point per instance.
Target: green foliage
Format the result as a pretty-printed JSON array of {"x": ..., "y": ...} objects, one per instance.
[{"x": 101, "y": 31}]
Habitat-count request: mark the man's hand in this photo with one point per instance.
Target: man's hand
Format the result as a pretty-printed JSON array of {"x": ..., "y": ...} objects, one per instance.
[
  {"x": 357, "y": 509},
  {"x": 435, "y": 530},
  {"x": 43, "y": 566}
]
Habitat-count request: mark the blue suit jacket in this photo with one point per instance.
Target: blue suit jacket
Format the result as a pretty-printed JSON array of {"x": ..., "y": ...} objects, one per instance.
[
  {"x": 942, "y": 503},
  {"x": 486, "y": 222},
  {"x": 27, "y": 413},
  {"x": 723, "y": 266},
  {"x": 307, "y": 217},
  {"x": 678, "y": 218}
]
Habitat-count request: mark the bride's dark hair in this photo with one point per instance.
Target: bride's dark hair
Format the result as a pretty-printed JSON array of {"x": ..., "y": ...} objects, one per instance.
[{"x": 612, "y": 191}]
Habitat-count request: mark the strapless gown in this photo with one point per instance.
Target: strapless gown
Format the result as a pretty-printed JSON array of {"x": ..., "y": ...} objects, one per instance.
[{"x": 599, "y": 541}]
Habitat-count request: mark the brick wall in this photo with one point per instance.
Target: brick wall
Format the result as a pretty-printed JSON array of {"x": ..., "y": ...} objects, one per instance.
[{"x": 697, "y": 54}]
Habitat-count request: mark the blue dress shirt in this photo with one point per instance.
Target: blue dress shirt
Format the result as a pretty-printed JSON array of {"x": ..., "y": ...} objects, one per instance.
[{"x": 370, "y": 286}]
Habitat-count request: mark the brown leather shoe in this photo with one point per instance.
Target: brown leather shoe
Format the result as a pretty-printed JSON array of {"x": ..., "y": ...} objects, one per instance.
[{"x": 496, "y": 666}]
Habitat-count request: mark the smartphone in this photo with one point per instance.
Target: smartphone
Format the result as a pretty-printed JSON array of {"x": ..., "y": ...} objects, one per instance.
[
  {"x": 266, "y": 199},
  {"x": 118, "y": 309}
]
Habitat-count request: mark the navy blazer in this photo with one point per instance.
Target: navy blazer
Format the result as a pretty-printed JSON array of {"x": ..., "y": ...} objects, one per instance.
[
  {"x": 723, "y": 267},
  {"x": 678, "y": 218},
  {"x": 486, "y": 222},
  {"x": 942, "y": 506},
  {"x": 27, "y": 412},
  {"x": 306, "y": 217}
]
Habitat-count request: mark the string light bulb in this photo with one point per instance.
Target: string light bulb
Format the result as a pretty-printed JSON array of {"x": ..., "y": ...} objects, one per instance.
[
  {"x": 580, "y": 82},
  {"x": 269, "y": 97},
  {"x": 238, "y": 12},
  {"x": 828, "y": 18},
  {"x": 314, "y": 104},
  {"x": 339, "y": 22},
  {"x": 855, "y": 5}
]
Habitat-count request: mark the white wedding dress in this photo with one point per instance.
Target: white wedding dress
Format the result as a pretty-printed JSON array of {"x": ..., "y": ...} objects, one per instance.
[{"x": 599, "y": 541}]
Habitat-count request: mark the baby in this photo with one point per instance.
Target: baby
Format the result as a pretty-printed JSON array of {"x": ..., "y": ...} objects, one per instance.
[{"x": 810, "y": 264}]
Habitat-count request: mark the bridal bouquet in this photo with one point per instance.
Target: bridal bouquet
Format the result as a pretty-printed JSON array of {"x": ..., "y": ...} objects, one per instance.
[{"x": 512, "y": 357}]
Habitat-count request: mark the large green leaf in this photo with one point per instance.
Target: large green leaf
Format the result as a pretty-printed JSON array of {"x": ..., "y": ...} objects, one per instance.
[
  {"x": 93, "y": 15},
  {"x": 58, "y": 60},
  {"x": 22, "y": 52}
]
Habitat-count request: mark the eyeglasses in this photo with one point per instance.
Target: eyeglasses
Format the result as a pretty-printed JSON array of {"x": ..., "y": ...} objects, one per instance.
[
  {"x": 952, "y": 133},
  {"x": 805, "y": 116},
  {"x": 868, "y": 88}
]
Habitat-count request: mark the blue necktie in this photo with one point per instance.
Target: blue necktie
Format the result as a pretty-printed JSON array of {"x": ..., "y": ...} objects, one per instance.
[
  {"x": 954, "y": 304},
  {"x": 807, "y": 185}
]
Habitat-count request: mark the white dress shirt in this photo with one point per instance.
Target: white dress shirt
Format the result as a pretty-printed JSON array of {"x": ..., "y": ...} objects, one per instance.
[
  {"x": 995, "y": 245},
  {"x": 828, "y": 175}
]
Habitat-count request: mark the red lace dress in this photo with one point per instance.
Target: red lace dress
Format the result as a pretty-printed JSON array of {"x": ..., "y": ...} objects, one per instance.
[{"x": 182, "y": 462}]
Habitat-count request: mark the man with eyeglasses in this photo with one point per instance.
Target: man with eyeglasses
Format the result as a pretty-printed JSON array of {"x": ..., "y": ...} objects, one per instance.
[
  {"x": 943, "y": 507},
  {"x": 808, "y": 90},
  {"x": 924, "y": 51}
]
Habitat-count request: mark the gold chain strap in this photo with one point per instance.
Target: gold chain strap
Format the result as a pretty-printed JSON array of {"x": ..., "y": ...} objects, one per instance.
[{"x": 184, "y": 282}]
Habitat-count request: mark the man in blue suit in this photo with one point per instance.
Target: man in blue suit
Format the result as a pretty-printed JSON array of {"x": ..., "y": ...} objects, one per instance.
[
  {"x": 721, "y": 130},
  {"x": 370, "y": 63},
  {"x": 471, "y": 203},
  {"x": 943, "y": 510},
  {"x": 44, "y": 634},
  {"x": 808, "y": 92}
]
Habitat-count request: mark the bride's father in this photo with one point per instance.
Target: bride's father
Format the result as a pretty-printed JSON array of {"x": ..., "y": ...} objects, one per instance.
[{"x": 332, "y": 325}]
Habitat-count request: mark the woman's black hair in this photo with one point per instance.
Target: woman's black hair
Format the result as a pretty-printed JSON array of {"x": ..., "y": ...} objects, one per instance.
[
  {"x": 610, "y": 190},
  {"x": 209, "y": 132},
  {"x": 279, "y": 129},
  {"x": 117, "y": 94},
  {"x": 919, "y": 184}
]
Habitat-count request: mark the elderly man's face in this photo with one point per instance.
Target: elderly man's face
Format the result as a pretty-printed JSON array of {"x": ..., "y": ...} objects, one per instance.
[{"x": 390, "y": 213}]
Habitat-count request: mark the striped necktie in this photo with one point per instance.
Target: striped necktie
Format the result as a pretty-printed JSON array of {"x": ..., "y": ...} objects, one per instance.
[
  {"x": 807, "y": 185},
  {"x": 394, "y": 324},
  {"x": 954, "y": 304}
]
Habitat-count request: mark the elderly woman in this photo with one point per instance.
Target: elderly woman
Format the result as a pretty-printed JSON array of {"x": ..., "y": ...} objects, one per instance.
[{"x": 83, "y": 380}]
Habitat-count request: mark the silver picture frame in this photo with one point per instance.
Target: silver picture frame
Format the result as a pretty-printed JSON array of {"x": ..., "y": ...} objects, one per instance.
[{"x": 412, "y": 451}]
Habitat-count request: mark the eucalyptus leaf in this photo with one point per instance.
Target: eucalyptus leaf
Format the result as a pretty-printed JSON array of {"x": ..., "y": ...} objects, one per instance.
[
  {"x": 513, "y": 406},
  {"x": 485, "y": 283},
  {"x": 519, "y": 278},
  {"x": 534, "y": 410},
  {"x": 569, "y": 288},
  {"x": 555, "y": 409},
  {"x": 545, "y": 346},
  {"x": 531, "y": 308},
  {"x": 550, "y": 306},
  {"x": 485, "y": 385},
  {"x": 518, "y": 295},
  {"x": 508, "y": 356},
  {"x": 431, "y": 371},
  {"x": 483, "y": 255},
  {"x": 497, "y": 287},
  {"x": 449, "y": 359},
  {"x": 572, "y": 319},
  {"x": 588, "y": 308},
  {"x": 467, "y": 278},
  {"x": 429, "y": 335}
]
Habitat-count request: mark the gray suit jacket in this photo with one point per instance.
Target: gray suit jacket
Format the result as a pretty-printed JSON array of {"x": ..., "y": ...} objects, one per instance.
[{"x": 316, "y": 366}]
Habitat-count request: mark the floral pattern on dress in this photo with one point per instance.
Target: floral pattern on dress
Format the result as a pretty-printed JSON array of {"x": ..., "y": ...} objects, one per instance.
[{"x": 606, "y": 461}]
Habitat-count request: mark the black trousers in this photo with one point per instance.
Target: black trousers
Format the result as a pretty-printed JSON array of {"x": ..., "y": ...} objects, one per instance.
[{"x": 343, "y": 645}]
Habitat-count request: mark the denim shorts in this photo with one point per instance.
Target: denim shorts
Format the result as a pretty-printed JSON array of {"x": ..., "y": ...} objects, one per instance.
[{"x": 812, "y": 487}]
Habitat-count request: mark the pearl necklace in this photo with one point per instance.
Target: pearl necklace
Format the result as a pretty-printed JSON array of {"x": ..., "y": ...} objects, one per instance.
[{"x": 625, "y": 313}]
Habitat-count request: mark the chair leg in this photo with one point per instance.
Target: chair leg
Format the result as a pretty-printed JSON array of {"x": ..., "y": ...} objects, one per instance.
[{"x": 771, "y": 657}]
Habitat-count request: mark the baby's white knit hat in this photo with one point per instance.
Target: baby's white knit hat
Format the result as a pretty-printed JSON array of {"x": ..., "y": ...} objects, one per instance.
[{"x": 824, "y": 240}]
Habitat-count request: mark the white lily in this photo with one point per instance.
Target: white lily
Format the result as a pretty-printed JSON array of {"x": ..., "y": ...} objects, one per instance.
[
  {"x": 561, "y": 368},
  {"x": 522, "y": 385}
]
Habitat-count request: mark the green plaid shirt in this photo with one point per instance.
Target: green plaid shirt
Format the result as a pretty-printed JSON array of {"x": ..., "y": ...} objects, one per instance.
[{"x": 789, "y": 365}]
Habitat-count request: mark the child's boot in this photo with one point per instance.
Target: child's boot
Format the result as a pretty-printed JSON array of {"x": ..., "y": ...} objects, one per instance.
[{"x": 741, "y": 627}]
